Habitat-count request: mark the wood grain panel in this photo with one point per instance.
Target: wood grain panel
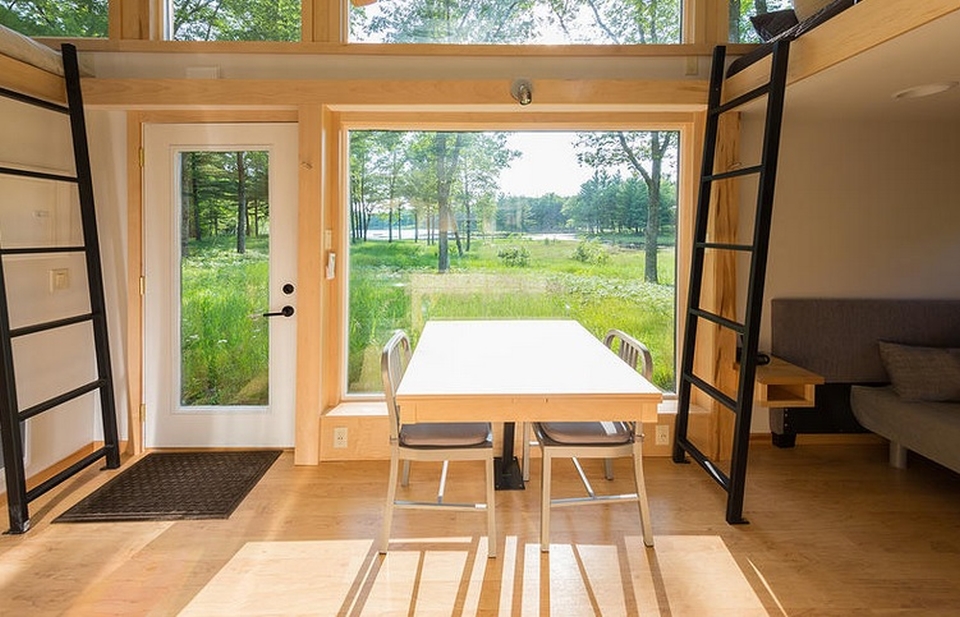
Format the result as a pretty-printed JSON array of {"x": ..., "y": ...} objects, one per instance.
[
  {"x": 437, "y": 95},
  {"x": 309, "y": 332}
]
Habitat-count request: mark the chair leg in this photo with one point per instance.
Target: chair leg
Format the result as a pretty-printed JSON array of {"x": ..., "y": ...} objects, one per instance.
[
  {"x": 391, "y": 497},
  {"x": 546, "y": 469},
  {"x": 608, "y": 468},
  {"x": 491, "y": 511},
  {"x": 526, "y": 451},
  {"x": 645, "y": 522},
  {"x": 405, "y": 478}
]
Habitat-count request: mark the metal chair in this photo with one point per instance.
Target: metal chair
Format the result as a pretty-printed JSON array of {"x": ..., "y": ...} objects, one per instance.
[
  {"x": 606, "y": 440},
  {"x": 439, "y": 442},
  {"x": 631, "y": 351}
]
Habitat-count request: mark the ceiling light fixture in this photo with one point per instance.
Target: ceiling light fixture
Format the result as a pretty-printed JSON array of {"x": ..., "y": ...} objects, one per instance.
[{"x": 917, "y": 92}]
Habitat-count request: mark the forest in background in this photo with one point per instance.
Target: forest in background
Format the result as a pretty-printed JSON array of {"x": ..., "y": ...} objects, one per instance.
[{"x": 610, "y": 22}]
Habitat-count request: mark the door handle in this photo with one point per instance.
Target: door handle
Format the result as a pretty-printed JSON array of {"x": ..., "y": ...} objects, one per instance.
[{"x": 286, "y": 311}]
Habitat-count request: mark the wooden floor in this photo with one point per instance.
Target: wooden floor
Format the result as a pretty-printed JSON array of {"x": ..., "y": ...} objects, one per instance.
[{"x": 833, "y": 531}]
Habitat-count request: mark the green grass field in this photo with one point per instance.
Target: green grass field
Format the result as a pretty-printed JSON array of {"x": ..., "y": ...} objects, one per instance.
[
  {"x": 225, "y": 353},
  {"x": 395, "y": 285}
]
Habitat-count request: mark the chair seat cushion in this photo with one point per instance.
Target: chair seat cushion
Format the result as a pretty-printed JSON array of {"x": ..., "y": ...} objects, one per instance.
[
  {"x": 446, "y": 435},
  {"x": 586, "y": 433}
]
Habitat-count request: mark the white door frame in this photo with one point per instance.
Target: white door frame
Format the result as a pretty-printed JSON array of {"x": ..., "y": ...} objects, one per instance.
[{"x": 168, "y": 424}]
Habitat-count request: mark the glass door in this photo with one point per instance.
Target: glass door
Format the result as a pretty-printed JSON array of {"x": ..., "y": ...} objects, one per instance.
[{"x": 220, "y": 289}]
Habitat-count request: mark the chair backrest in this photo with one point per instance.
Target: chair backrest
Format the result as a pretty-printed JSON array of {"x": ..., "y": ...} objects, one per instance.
[
  {"x": 393, "y": 363},
  {"x": 631, "y": 351}
]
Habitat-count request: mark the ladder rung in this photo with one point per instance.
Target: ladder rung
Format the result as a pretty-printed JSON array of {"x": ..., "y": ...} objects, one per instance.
[
  {"x": 32, "y": 100},
  {"x": 713, "y": 392},
  {"x": 709, "y": 466},
  {"x": 742, "y": 99},
  {"x": 725, "y": 247},
  {"x": 733, "y": 173},
  {"x": 737, "y": 327},
  {"x": 41, "y": 175},
  {"x": 83, "y": 463},
  {"x": 39, "y": 250},
  {"x": 50, "y": 325},
  {"x": 61, "y": 399}
]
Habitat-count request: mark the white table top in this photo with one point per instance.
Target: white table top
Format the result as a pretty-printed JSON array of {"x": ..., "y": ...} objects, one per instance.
[{"x": 520, "y": 370}]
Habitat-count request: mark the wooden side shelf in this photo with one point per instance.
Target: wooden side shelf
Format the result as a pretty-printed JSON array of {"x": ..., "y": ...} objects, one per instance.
[{"x": 781, "y": 384}]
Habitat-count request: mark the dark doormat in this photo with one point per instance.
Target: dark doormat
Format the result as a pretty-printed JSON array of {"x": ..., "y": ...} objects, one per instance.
[{"x": 167, "y": 486}]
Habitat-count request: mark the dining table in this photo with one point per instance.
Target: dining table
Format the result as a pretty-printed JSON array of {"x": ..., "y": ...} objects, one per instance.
[{"x": 522, "y": 370}]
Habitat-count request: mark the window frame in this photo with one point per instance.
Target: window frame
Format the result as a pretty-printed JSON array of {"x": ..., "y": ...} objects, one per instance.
[{"x": 687, "y": 124}]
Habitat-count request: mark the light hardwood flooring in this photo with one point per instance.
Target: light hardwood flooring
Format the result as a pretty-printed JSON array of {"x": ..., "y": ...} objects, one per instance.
[{"x": 833, "y": 531}]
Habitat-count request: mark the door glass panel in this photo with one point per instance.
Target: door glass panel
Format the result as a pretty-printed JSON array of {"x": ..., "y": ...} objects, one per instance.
[{"x": 224, "y": 278}]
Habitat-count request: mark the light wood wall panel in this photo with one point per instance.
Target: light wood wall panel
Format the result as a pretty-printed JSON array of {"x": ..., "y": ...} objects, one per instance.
[
  {"x": 405, "y": 95},
  {"x": 134, "y": 333},
  {"x": 310, "y": 343}
]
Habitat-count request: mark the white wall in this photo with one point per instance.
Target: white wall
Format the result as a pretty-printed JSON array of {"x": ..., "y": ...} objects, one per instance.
[
  {"x": 862, "y": 209},
  {"x": 42, "y": 213},
  {"x": 106, "y": 134}
]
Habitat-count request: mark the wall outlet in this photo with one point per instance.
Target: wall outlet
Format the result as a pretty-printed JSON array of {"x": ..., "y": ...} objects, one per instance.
[
  {"x": 663, "y": 435},
  {"x": 340, "y": 437}
]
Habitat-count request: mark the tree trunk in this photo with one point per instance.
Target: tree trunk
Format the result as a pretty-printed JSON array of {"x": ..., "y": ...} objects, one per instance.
[
  {"x": 446, "y": 172},
  {"x": 652, "y": 236},
  {"x": 195, "y": 198},
  {"x": 734, "y": 21},
  {"x": 241, "y": 205}
]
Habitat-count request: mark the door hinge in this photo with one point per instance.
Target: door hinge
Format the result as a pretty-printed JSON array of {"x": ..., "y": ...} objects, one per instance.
[
  {"x": 141, "y": 158},
  {"x": 143, "y": 284},
  {"x": 143, "y": 412}
]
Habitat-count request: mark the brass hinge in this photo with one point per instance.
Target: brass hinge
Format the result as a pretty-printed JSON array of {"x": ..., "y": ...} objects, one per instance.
[
  {"x": 143, "y": 412},
  {"x": 141, "y": 158},
  {"x": 143, "y": 284}
]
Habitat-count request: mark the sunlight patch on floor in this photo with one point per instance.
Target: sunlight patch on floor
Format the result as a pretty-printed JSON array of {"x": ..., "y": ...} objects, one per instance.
[{"x": 684, "y": 575}]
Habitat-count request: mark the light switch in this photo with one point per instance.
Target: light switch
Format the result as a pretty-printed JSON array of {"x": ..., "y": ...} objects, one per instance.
[{"x": 59, "y": 279}]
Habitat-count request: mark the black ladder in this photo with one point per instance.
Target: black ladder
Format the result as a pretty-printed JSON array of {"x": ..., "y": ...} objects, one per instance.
[
  {"x": 11, "y": 416},
  {"x": 749, "y": 330}
]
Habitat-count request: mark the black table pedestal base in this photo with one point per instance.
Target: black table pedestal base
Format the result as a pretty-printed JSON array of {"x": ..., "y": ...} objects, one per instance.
[{"x": 508, "y": 477}]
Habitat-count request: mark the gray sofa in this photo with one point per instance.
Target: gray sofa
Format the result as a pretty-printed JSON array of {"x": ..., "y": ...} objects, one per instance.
[{"x": 840, "y": 340}]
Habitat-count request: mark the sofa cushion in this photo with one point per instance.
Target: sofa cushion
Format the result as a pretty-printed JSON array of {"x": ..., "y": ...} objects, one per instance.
[
  {"x": 927, "y": 428},
  {"x": 922, "y": 373}
]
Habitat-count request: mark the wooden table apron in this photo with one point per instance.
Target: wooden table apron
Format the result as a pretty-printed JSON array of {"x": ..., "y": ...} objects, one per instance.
[{"x": 519, "y": 371}]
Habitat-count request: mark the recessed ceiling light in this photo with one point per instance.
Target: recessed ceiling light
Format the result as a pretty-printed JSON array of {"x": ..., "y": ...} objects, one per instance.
[{"x": 925, "y": 90}]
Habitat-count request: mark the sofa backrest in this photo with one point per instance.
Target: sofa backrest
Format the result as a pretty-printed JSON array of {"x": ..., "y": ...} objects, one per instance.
[{"x": 837, "y": 337}]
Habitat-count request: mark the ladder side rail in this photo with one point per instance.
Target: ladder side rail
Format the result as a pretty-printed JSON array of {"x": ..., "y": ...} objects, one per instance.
[
  {"x": 696, "y": 266},
  {"x": 88, "y": 217},
  {"x": 13, "y": 470},
  {"x": 758, "y": 266}
]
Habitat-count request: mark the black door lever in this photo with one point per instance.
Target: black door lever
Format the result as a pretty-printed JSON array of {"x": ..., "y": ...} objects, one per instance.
[{"x": 286, "y": 311}]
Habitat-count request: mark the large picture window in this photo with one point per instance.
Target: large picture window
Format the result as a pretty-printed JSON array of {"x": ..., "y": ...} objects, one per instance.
[
  {"x": 526, "y": 22},
  {"x": 499, "y": 225},
  {"x": 80, "y": 18}
]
